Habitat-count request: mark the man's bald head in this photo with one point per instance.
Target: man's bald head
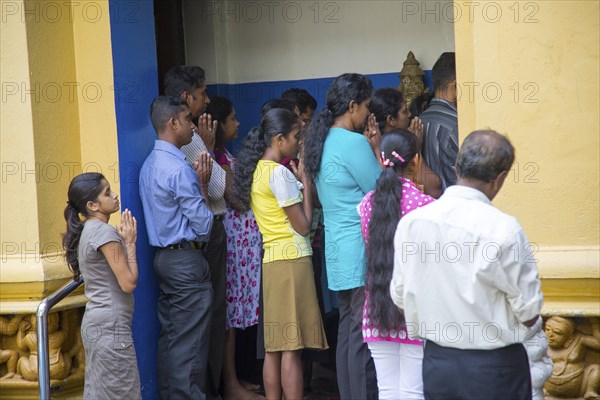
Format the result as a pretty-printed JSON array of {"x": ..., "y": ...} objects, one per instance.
[{"x": 484, "y": 155}]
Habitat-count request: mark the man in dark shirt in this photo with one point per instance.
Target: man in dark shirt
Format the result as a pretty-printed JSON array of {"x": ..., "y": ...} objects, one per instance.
[{"x": 440, "y": 143}]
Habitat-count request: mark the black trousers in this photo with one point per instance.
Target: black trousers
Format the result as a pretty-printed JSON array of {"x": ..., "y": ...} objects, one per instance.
[
  {"x": 450, "y": 373},
  {"x": 216, "y": 255},
  {"x": 355, "y": 368},
  {"x": 184, "y": 305}
]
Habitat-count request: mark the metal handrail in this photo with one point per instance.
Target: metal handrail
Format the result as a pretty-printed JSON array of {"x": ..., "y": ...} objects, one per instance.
[{"x": 42, "y": 334}]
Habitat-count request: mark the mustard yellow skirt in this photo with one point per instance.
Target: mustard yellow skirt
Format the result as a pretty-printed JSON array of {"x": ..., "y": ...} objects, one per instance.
[{"x": 292, "y": 319}]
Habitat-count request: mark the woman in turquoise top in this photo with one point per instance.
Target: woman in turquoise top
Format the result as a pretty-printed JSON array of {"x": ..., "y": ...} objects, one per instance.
[{"x": 339, "y": 156}]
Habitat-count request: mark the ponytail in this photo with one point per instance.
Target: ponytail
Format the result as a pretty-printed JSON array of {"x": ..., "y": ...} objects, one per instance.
[
  {"x": 315, "y": 139},
  {"x": 253, "y": 147},
  {"x": 399, "y": 147},
  {"x": 83, "y": 188},
  {"x": 386, "y": 213},
  {"x": 71, "y": 238}
]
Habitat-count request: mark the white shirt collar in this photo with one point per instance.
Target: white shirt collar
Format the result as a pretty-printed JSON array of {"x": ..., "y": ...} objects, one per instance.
[{"x": 466, "y": 192}]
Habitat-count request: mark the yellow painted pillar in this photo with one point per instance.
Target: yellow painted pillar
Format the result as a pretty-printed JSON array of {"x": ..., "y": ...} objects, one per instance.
[
  {"x": 530, "y": 70},
  {"x": 57, "y": 120}
]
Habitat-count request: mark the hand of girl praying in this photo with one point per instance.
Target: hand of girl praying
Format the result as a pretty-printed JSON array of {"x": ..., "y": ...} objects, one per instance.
[
  {"x": 127, "y": 229},
  {"x": 373, "y": 134},
  {"x": 416, "y": 127},
  {"x": 298, "y": 170}
]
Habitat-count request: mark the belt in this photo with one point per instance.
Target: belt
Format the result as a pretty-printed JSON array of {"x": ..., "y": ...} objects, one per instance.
[
  {"x": 186, "y": 245},
  {"x": 219, "y": 217}
]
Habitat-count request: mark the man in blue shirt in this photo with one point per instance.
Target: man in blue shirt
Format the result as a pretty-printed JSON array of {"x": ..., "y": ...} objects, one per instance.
[
  {"x": 179, "y": 223},
  {"x": 188, "y": 83}
]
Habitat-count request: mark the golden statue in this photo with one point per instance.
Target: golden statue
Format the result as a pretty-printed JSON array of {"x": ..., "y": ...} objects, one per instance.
[
  {"x": 27, "y": 367},
  {"x": 411, "y": 79},
  {"x": 568, "y": 349}
]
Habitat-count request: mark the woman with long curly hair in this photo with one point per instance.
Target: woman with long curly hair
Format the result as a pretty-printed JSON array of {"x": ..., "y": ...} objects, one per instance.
[{"x": 340, "y": 154}]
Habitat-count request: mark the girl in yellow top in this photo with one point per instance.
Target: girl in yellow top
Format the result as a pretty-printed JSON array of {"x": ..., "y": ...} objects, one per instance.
[{"x": 281, "y": 202}]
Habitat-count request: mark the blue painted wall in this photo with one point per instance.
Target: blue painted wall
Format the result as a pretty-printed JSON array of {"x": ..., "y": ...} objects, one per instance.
[
  {"x": 248, "y": 98},
  {"x": 136, "y": 85}
]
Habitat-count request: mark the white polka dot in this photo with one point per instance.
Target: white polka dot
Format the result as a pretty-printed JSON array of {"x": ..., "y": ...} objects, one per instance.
[
  {"x": 368, "y": 332},
  {"x": 410, "y": 202},
  {"x": 364, "y": 321},
  {"x": 384, "y": 333},
  {"x": 364, "y": 333},
  {"x": 393, "y": 334},
  {"x": 402, "y": 335},
  {"x": 375, "y": 332},
  {"x": 420, "y": 203}
]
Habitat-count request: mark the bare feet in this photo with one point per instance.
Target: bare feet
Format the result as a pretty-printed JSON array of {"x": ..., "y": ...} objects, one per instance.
[
  {"x": 239, "y": 392},
  {"x": 249, "y": 386},
  {"x": 8, "y": 376}
]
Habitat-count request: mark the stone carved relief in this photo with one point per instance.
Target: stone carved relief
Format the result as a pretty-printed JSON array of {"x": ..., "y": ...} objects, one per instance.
[
  {"x": 411, "y": 79},
  {"x": 71, "y": 323},
  {"x": 9, "y": 327},
  {"x": 18, "y": 349},
  {"x": 27, "y": 342},
  {"x": 574, "y": 352}
]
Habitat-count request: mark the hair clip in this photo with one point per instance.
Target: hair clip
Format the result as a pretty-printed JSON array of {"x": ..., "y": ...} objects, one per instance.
[
  {"x": 398, "y": 156},
  {"x": 386, "y": 161}
]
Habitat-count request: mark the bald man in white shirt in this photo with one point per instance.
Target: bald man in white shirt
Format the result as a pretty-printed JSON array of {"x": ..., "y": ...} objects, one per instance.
[{"x": 467, "y": 280}]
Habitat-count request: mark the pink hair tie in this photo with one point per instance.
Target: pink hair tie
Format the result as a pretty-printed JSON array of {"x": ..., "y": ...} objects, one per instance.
[
  {"x": 398, "y": 156},
  {"x": 386, "y": 161}
]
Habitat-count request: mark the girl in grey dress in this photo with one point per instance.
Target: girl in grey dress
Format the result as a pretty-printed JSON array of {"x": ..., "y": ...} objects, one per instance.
[{"x": 106, "y": 257}]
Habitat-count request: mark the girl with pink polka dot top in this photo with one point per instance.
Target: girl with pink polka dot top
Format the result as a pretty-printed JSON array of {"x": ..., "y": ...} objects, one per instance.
[{"x": 398, "y": 359}]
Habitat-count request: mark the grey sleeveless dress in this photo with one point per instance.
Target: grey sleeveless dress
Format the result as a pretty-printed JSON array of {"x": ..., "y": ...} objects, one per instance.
[{"x": 111, "y": 370}]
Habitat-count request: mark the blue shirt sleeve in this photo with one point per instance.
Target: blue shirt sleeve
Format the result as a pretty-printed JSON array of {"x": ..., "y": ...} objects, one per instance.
[
  {"x": 362, "y": 164},
  {"x": 186, "y": 191}
]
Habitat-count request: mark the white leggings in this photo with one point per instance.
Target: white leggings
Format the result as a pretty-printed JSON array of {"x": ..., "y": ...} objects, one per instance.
[{"x": 399, "y": 370}]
